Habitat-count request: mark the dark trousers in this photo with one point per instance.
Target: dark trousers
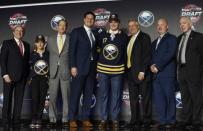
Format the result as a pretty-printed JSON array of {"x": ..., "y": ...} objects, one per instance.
[
  {"x": 140, "y": 101},
  {"x": 81, "y": 84},
  {"x": 39, "y": 86},
  {"x": 109, "y": 95},
  {"x": 191, "y": 96},
  {"x": 8, "y": 89},
  {"x": 164, "y": 99}
]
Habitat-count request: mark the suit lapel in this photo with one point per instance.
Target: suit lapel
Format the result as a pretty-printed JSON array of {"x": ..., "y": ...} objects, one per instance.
[
  {"x": 55, "y": 44},
  {"x": 154, "y": 45},
  {"x": 189, "y": 41},
  {"x": 86, "y": 35},
  {"x": 17, "y": 47},
  {"x": 136, "y": 40},
  {"x": 161, "y": 41}
]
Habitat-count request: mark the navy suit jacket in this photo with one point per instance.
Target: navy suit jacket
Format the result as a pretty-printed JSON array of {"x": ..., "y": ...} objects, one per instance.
[
  {"x": 80, "y": 51},
  {"x": 165, "y": 55}
]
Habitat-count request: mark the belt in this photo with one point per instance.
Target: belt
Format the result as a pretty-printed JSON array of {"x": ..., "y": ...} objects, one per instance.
[{"x": 182, "y": 65}]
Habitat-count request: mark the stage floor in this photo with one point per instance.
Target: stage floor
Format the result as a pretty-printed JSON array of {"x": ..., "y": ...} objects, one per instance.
[{"x": 59, "y": 128}]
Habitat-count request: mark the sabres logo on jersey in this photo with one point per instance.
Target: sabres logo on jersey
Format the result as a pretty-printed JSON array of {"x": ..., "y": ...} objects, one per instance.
[
  {"x": 110, "y": 52},
  {"x": 41, "y": 67}
]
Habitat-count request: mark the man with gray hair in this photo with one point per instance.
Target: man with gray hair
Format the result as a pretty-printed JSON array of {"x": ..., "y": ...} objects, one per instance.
[
  {"x": 190, "y": 63},
  {"x": 59, "y": 72},
  {"x": 15, "y": 54},
  {"x": 139, "y": 78}
]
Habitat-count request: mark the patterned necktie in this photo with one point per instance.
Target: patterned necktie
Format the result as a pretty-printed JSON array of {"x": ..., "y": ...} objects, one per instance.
[
  {"x": 21, "y": 47},
  {"x": 129, "y": 51},
  {"x": 60, "y": 44}
]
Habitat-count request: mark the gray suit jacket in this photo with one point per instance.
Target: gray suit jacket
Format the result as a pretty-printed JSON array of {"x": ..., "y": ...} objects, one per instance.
[{"x": 56, "y": 59}]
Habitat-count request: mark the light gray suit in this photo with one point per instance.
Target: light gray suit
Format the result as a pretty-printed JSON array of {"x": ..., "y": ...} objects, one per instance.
[{"x": 59, "y": 77}]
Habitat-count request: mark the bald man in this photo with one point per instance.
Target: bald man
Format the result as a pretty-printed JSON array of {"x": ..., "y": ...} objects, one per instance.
[
  {"x": 163, "y": 67},
  {"x": 190, "y": 68}
]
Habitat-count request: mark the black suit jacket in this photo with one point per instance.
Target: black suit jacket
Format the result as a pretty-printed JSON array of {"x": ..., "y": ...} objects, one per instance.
[
  {"x": 194, "y": 55},
  {"x": 141, "y": 56},
  {"x": 12, "y": 62}
]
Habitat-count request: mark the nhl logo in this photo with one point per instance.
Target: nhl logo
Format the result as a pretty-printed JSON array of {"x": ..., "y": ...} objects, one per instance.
[
  {"x": 146, "y": 18},
  {"x": 55, "y": 20},
  {"x": 93, "y": 101}
]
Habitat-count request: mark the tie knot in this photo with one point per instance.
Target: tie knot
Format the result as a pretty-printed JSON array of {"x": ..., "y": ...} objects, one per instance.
[
  {"x": 20, "y": 42},
  {"x": 89, "y": 30}
]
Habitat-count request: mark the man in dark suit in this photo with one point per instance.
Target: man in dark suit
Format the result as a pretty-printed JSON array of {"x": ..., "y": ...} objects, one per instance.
[
  {"x": 14, "y": 70},
  {"x": 138, "y": 64},
  {"x": 163, "y": 67},
  {"x": 190, "y": 69},
  {"x": 82, "y": 58}
]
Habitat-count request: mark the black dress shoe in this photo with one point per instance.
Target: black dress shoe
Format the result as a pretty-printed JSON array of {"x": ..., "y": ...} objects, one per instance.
[
  {"x": 170, "y": 126},
  {"x": 51, "y": 125},
  {"x": 158, "y": 125},
  {"x": 18, "y": 125},
  {"x": 162, "y": 126},
  {"x": 182, "y": 124},
  {"x": 145, "y": 125},
  {"x": 132, "y": 125},
  {"x": 65, "y": 124}
]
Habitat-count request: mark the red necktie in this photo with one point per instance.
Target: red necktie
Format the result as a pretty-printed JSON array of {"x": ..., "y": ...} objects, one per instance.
[{"x": 21, "y": 47}]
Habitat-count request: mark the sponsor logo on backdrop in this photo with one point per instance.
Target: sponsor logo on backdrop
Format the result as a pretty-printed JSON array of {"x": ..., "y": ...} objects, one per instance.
[
  {"x": 55, "y": 20},
  {"x": 93, "y": 100},
  {"x": 192, "y": 11},
  {"x": 125, "y": 97},
  {"x": 17, "y": 19},
  {"x": 146, "y": 18},
  {"x": 178, "y": 100},
  {"x": 102, "y": 17}
]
